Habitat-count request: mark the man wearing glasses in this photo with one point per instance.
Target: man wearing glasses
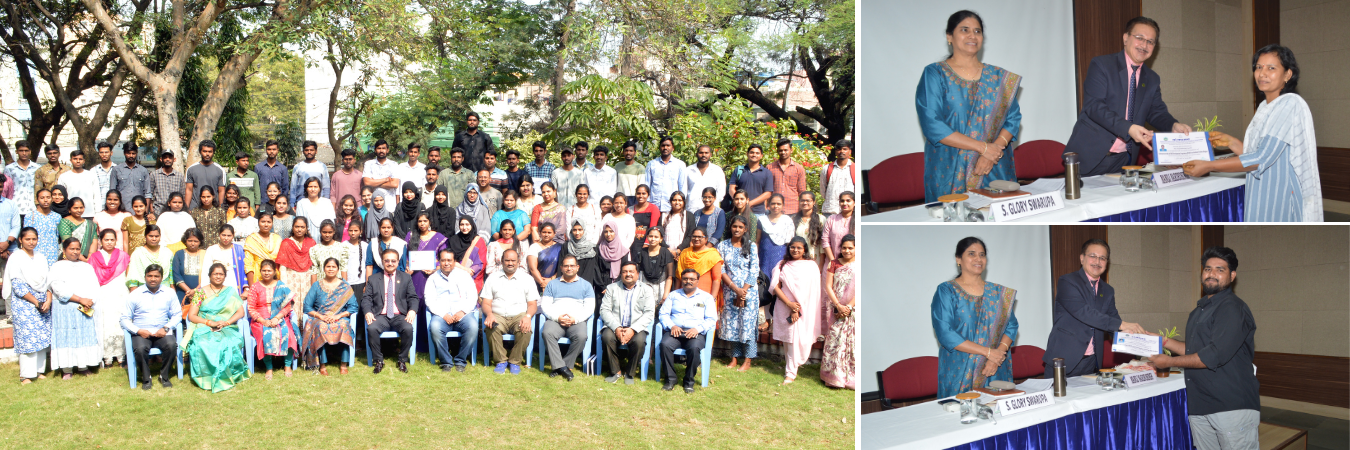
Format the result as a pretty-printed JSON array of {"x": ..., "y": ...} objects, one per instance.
[
  {"x": 1120, "y": 95},
  {"x": 1085, "y": 308}
]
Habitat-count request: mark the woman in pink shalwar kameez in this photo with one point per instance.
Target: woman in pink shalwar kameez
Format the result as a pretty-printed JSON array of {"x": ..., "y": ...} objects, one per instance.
[{"x": 797, "y": 319}]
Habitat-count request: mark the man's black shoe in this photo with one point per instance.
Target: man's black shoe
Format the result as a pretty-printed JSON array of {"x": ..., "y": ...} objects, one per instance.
[
  {"x": 165, "y": 382},
  {"x": 670, "y": 386},
  {"x": 379, "y": 366},
  {"x": 567, "y": 373},
  {"x": 403, "y": 367}
]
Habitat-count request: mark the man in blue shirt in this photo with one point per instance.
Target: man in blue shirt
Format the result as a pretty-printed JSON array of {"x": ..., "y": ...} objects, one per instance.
[
  {"x": 271, "y": 171},
  {"x": 10, "y": 224},
  {"x": 665, "y": 175},
  {"x": 151, "y": 315},
  {"x": 303, "y": 171},
  {"x": 540, "y": 169},
  {"x": 568, "y": 303},
  {"x": 689, "y": 314},
  {"x": 754, "y": 179}
]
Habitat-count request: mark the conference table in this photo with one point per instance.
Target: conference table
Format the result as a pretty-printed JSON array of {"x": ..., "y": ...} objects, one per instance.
[
  {"x": 1214, "y": 198},
  {"x": 1147, "y": 416}
]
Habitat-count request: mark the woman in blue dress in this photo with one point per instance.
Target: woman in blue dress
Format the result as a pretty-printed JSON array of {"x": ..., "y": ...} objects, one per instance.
[
  {"x": 969, "y": 115},
  {"x": 974, "y": 324},
  {"x": 740, "y": 275},
  {"x": 26, "y": 290}
]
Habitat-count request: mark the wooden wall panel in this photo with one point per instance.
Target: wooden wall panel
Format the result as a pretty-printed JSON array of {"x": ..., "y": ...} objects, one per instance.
[
  {"x": 1333, "y": 164},
  {"x": 1324, "y": 380},
  {"x": 1066, "y": 243},
  {"x": 1097, "y": 27},
  {"x": 1265, "y": 31}
]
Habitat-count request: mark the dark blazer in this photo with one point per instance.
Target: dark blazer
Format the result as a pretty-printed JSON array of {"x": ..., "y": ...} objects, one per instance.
[
  {"x": 1102, "y": 118},
  {"x": 405, "y": 294},
  {"x": 1080, "y": 315}
]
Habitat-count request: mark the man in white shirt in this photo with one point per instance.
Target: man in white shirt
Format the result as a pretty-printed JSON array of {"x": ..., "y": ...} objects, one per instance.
[
  {"x": 703, "y": 174},
  {"x": 451, "y": 298},
  {"x": 837, "y": 178},
  {"x": 568, "y": 304},
  {"x": 310, "y": 168},
  {"x": 429, "y": 189},
  {"x": 601, "y": 178},
  {"x": 567, "y": 178},
  {"x": 378, "y": 173},
  {"x": 82, "y": 184},
  {"x": 413, "y": 170},
  {"x": 509, "y": 300}
]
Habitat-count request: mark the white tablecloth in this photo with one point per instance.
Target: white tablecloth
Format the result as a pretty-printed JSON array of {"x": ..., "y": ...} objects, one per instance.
[
  {"x": 926, "y": 426},
  {"x": 1096, "y": 203}
]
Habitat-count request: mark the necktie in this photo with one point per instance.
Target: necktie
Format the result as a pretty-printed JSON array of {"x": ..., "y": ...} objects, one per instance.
[
  {"x": 390, "y": 309},
  {"x": 1129, "y": 101}
]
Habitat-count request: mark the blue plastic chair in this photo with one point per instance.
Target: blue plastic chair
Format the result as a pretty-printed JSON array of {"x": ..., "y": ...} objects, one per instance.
[
  {"x": 585, "y": 353},
  {"x": 705, "y": 355},
  {"x": 473, "y": 352},
  {"x": 529, "y": 349},
  {"x": 351, "y": 348},
  {"x": 251, "y": 344},
  {"x": 600, "y": 349},
  {"x": 412, "y": 351},
  {"x": 131, "y": 355}
]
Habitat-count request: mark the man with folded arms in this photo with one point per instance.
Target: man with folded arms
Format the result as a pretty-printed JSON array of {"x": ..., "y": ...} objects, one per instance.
[
  {"x": 152, "y": 312},
  {"x": 568, "y": 303},
  {"x": 690, "y": 313},
  {"x": 391, "y": 302},
  {"x": 451, "y": 297},
  {"x": 1085, "y": 307},
  {"x": 509, "y": 300},
  {"x": 1222, "y": 394},
  {"x": 627, "y": 310}
]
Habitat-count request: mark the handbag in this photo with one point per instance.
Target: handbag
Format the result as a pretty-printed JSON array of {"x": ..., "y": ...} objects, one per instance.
[{"x": 766, "y": 297}]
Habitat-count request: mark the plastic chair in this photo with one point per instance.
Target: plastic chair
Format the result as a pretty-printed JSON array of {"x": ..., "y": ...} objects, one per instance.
[
  {"x": 412, "y": 352},
  {"x": 704, "y": 356},
  {"x": 908, "y": 379},
  {"x": 252, "y": 345},
  {"x": 529, "y": 349},
  {"x": 351, "y": 348},
  {"x": 600, "y": 349},
  {"x": 131, "y": 355},
  {"x": 473, "y": 352},
  {"x": 585, "y": 352}
]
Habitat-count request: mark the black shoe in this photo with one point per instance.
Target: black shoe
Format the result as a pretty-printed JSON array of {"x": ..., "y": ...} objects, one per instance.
[
  {"x": 555, "y": 373},
  {"x": 145, "y": 385},
  {"x": 403, "y": 367},
  {"x": 165, "y": 382},
  {"x": 460, "y": 368},
  {"x": 670, "y": 386},
  {"x": 447, "y": 368},
  {"x": 689, "y": 389},
  {"x": 379, "y": 366},
  {"x": 567, "y": 373}
]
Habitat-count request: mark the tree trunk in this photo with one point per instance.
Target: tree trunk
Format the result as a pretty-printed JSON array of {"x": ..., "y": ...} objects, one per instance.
[
  {"x": 137, "y": 98},
  {"x": 231, "y": 76},
  {"x": 558, "y": 69},
  {"x": 333, "y": 140},
  {"x": 166, "y": 102}
]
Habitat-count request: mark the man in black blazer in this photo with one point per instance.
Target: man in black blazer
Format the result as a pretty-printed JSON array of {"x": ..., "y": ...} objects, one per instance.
[
  {"x": 1085, "y": 307},
  {"x": 391, "y": 303},
  {"x": 1109, "y": 133}
]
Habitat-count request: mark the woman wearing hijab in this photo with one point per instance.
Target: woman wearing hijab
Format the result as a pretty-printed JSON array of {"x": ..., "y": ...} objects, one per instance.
[
  {"x": 593, "y": 269},
  {"x": 405, "y": 216},
  {"x": 26, "y": 289},
  {"x": 60, "y": 200},
  {"x": 705, "y": 260},
  {"x": 470, "y": 249},
  {"x": 474, "y": 209},
  {"x": 376, "y": 213},
  {"x": 612, "y": 248},
  {"x": 444, "y": 219}
]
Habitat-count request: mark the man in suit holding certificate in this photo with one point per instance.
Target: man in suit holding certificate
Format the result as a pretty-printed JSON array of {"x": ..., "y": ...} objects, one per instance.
[
  {"x": 1120, "y": 95},
  {"x": 1085, "y": 307}
]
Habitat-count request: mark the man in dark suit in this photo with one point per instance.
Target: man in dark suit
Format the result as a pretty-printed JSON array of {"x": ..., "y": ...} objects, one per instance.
[
  {"x": 391, "y": 303},
  {"x": 1085, "y": 307},
  {"x": 1120, "y": 95}
]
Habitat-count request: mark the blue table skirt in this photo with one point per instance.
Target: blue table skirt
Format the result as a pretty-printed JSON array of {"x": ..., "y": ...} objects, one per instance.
[
  {"x": 1153, "y": 423},
  {"x": 1223, "y": 206}
]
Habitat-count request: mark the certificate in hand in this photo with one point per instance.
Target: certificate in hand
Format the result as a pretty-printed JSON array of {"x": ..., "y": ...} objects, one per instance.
[
  {"x": 422, "y": 260},
  {"x": 1137, "y": 344},
  {"x": 1175, "y": 149}
]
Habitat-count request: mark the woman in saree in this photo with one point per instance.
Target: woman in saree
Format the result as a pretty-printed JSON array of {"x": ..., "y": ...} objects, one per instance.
[
  {"x": 705, "y": 260},
  {"x": 328, "y": 305},
  {"x": 385, "y": 240},
  {"x": 293, "y": 258},
  {"x": 187, "y": 264},
  {"x": 75, "y": 344},
  {"x": 470, "y": 249},
  {"x": 711, "y": 218},
  {"x": 969, "y": 115},
  {"x": 444, "y": 219},
  {"x": 679, "y": 221},
  {"x": 549, "y": 211},
  {"x": 1283, "y": 182},
  {"x": 656, "y": 264},
  {"x": 424, "y": 239},
  {"x": 76, "y": 226},
  {"x": 209, "y": 216},
  {"x": 796, "y": 319},
  {"x": 506, "y": 240},
  {"x": 974, "y": 324},
  {"x": 777, "y": 230},
  {"x": 837, "y": 361},
  {"x": 409, "y": 205},
  {"x": 282, "y": 218},
  {"x": 740, "y": 280},
  {"x": 133, "y": 226},
  {"x": 172, "y": 222},
  {"x": 475, "y": 209},
  {"x": 612, "y": 250},
  {"x": 228, "y": 254},
  {"x": 740, "y": 206},
  {"x": 260, "y": 246},
  {"x": 375, "y": 214},
  {"x": 645, "y": 214},
  {"x": 213, "y": 341},
  {"x": 25, "y": 288},
  {"x": 839, "y": 225},
  {"x": 46, "y": 222},
  {"x": 150, "y": 253},
  {"x": 110, "y": 266},
  {"x": 593, "y": 269},
  {"x": 270, "y": 306},
  {"x": 543, "y": 257},
  {"x": 112, "y": 215}
]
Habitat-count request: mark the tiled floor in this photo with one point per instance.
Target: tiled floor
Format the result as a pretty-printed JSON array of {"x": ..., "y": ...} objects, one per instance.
[{"x": 1324, "y": 433}]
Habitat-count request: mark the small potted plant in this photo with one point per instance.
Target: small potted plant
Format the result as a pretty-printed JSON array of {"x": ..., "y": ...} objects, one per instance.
[{"x": 1167, "y": 334}]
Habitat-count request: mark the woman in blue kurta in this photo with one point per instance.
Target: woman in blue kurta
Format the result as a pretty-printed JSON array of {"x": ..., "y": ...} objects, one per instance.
[
  {"x": 969, "y": 115},
  {"x": 974, "y": 331}
]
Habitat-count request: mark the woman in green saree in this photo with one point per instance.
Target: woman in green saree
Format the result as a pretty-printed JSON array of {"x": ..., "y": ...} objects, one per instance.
[
  {"x": 214, "y": 342},
  {"x": 77, "y": 227}
]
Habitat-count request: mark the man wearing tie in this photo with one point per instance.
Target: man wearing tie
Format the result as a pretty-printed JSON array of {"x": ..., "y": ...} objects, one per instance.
[
  {"x": 391, "y": 303},
  {"x": 1085, "y": 307},
  {"x": 1120, "y": 95}
]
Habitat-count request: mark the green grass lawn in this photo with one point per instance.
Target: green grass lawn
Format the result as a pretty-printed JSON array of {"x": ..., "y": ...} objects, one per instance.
[{"x": 427, "y": 408}]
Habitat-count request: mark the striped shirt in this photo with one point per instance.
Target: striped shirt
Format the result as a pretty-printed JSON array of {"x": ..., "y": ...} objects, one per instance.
[
  {"x": 163, "y": 185},
  {"x": 539, "y": 174},
  {"x": 1285, "y": 187}
]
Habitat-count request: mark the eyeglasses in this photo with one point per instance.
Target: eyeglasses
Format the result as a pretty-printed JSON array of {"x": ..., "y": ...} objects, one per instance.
[
  {"x": 1097, "y": 257},
  {"x": 1140, "y": 38}
]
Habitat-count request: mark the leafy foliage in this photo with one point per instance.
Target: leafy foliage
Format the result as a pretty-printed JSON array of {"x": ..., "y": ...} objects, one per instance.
[
  {"x": 602, "y": 111},
  {"x": 1207, "y": 125},
  {"x": 730, "y": 128}
]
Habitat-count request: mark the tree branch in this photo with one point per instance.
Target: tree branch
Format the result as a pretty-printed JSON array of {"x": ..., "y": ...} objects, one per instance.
[{"x": 133, "y": 61}]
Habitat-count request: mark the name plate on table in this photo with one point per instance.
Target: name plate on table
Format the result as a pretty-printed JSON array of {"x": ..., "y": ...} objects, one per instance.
[
  {"x": 1140, "y": 379},
  {"x": 1010, "y": 406},
  {"x": 1170, "y": 178},
  {"x": 1026, "y": 206}
]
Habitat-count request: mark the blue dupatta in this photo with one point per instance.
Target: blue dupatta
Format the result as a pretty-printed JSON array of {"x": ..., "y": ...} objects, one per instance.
[{"x": 947, "y": 104}]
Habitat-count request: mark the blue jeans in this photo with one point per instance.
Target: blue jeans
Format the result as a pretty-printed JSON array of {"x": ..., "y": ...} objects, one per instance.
[{"x": 468, "y": 337}]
